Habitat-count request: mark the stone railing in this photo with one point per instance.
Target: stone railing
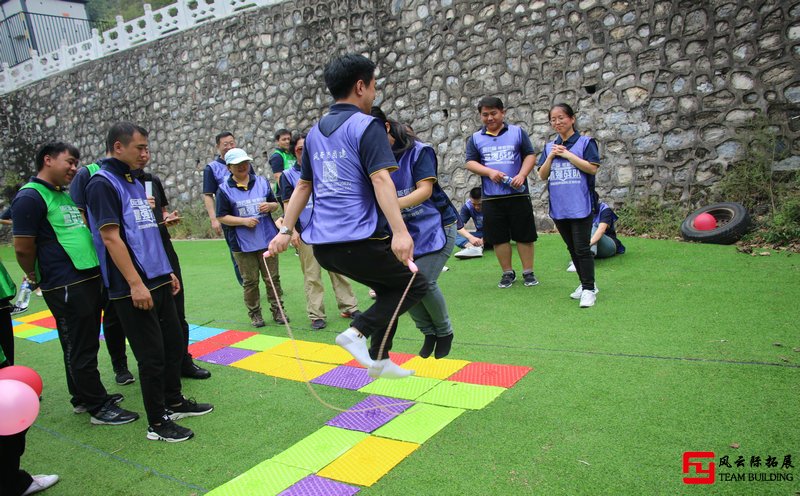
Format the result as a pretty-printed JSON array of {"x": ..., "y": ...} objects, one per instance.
[{"x": 153, "y": 25}]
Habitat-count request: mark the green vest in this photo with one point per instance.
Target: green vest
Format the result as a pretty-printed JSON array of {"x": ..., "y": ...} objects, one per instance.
[
  {"x": 93, "y": 168},
  {"x": 288, "y": 159},
  {"x": 7, "y": 287},
  {"x": 67, "y": 222}
]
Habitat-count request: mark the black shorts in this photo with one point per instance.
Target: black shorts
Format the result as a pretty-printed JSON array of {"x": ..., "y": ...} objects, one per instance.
[{"x": 508, "y": 218}]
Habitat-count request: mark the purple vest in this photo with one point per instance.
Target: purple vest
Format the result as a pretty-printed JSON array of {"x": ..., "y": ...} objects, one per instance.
[
  {"x": 477, "y": 217},
  {"x": 344, "y": 208},
  {"x": 501, "y": 153},
  {"x": 292, "y": 175},
  {"x": 220, "y": 171},
  {"x": 245, "y": 204},
  {"x": 141, "y": 230},
  {"x": 424, "y": 221},
  {"x": 568, "y": 186}
]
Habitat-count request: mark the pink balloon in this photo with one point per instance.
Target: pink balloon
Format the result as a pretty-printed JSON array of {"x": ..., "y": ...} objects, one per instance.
[
  {"x": 19, "y": 406},
  {"x": 705, "y": 222},
  {"x": 23, "y": 374}
]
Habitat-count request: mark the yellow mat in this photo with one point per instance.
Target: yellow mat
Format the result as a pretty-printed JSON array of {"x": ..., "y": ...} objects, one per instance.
[
  {"x": 368, "y": 461},
  {"x": 330, "y": 353},
  {"x": 260, "y": 362},
  {"x": 26, "y": 330},
  {"x": 34, "y": 316},
  {"x": 305, "y": 349},
  {"x": 437, "y": 369},
  {"x": 289, "y": 368}
]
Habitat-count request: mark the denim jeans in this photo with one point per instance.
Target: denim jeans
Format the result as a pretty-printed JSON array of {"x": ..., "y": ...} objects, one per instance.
[{"x": 430, "y": 314}]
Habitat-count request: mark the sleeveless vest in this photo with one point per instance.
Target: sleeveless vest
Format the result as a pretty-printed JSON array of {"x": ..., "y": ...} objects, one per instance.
[
  {"x": 220, "y": 171},
  {"x": 245, "y": 204},
  {"x": 570, "y": 191},
  {"x": 292, "y": 176},
  {"x": 7, "y": 287},
  {"x": 288, "y": 159},
  {"x": 93, "y": 168},
  {"x": 424, "y": 221},
  {"x": 67, "y": 223},
  {"x": 141, "y": 230},
  {"x": 344, "y": 208},
  {"x": 501, "y": 153}
]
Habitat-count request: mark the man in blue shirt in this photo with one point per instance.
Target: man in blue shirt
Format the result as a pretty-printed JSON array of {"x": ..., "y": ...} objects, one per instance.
[
  {"x": 471, "y": 242},
  {"x": 346, "y": 162},
  {"x": 503, "y": 156},
  {"x": 140, "y": 280}
]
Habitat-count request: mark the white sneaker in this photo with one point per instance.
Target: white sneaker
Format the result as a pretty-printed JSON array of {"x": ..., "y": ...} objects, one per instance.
[
  {"x": 576, "y": 295},
  {"x": 571, "y": 267},
  {"x": 470, "y": 252},
  {"x": 588, "y": 298},
  {"x": 40, "y": 483}
]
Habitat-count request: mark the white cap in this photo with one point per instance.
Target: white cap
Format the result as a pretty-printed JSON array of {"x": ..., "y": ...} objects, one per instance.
[{"x": 236, "y": 156}]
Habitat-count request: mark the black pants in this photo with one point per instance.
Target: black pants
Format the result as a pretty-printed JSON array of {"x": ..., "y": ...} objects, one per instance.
[
  {"x": 114, "y": 336},
  {"x": 13, "y": 480},
  {"x": 372, "y": 263},
  {"x": 180, "y": 306},
  {"x": 577, "y": 233},
  {"x": 155, "y": 339},
  {"x": 77, "y": 309}
]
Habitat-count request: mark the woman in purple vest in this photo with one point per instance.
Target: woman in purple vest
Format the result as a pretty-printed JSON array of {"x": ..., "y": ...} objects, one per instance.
[
  {"x": 569, "y": 164},
  {"x": 245, "y": 202},
  {"x": 431, "y": 220}
]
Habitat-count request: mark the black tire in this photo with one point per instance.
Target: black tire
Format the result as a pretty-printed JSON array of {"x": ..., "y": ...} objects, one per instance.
[{"x": 733, "y": 222}]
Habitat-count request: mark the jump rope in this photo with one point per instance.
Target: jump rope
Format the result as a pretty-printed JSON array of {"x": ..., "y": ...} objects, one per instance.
[{"x": 412, "y": 266}]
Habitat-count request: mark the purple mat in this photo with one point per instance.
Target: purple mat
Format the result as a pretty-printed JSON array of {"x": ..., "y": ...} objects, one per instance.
[
  {"x": 345, "y": 378},
  {"x": 314, "y": 485},
  {"x": 377, "y": 410},
  {"x": 226, "y": 356}
]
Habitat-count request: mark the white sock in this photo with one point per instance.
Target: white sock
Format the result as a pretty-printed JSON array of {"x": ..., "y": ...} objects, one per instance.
[
  {"x": 388, "y": 370},
  {"x": 355, "y": 344}
]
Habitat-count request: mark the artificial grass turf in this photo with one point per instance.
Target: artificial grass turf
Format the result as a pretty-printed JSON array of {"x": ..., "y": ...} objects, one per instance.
[{"x": 596, "y": 416}]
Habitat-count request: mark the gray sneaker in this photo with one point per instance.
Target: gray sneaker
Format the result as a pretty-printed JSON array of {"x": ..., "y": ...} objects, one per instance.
[
  {"x": 111, "y": 414},
  {"x": 507, "y": 280},
  {"x": 530, "y": 279}
]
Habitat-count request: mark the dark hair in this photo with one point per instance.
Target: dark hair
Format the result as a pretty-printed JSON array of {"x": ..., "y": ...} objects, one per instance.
[
  {"x": 403, "y": 139},
  {"x": 567, "y": 110},
  {"x": 342, "y": 74},
  {"x": 123, "y": 132},
  {"x": 223, "y": 134},
  {"x": 54, "y": 149},
  {"x": 282, "y": 132},
  {"x": 295, "y": 139},
  {"x": 490, "y": 102},
  {"x": 475, "y": 193}
]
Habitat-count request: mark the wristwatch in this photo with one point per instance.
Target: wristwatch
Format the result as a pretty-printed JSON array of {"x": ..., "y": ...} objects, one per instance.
[{"x": 285, "y": 230}]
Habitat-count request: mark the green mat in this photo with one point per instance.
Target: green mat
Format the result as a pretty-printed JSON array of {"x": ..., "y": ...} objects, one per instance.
[
  {"x": 33, "y": 331},
  {"x": 266, "y": 478},
  {"x": 409, "y": 388},
  {"x": 320, "y": 448},
  {"x": 419, "y": 423},
  {"x": 461, "y": 395},
  {"x": 259, "y": 342}
]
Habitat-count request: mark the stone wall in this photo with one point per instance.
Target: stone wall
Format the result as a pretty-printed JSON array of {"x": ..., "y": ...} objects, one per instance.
[{"x": 662, "y": 85}]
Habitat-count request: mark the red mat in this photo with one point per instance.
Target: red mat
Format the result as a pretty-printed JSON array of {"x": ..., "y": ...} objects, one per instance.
[
  {"x": 203, "y": 347},
  {"x": 47, "y": 322},
  {"x": 398, "y": 358},
  {"x": 228, "y": 338},
  {"x": 490, "y": 374}
]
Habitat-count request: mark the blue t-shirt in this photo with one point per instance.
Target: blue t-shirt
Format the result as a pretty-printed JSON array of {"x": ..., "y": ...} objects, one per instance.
[
  {"x": 29, "y": 215},
  {"x": 104, "y": 203},
  {"x": 77, "y": 188},
  {"x": 374, "y": 152},
  {"x": 225, "y": 207}
]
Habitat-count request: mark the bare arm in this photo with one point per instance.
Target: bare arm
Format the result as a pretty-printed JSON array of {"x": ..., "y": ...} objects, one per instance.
[
  {"x": 423, "y": 192},
  {"x": 481, "y": 170},
  {"x": 474, "y": 241},
  {"x": 601, "y": 230},
  {"x": 208, "y": 201},
  {"x": 25, "y": 248},
  {"x": 297, "y": 202},
  {"x": 232, "y": 220},
  {"x": 116, "y": 248},
  {"x": 386, "y": 194}
]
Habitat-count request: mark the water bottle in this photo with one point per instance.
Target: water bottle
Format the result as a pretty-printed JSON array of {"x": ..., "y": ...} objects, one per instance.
[
  {"x": 507, "y": 182},
  {"x": 24, "y": 297}
]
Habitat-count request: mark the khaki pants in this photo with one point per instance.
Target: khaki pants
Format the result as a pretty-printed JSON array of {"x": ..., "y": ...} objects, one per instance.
[
  {"x": 312, "y": 281},
  {"x": 250, "y": 266}
]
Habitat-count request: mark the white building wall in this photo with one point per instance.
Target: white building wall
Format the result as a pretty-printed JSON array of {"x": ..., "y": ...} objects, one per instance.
[{"x": 57, "y": 8}]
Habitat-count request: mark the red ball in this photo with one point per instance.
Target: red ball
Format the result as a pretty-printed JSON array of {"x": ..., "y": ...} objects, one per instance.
[
  {"x": 705, "y": 222},
  {"x": 23, "y": 374}
]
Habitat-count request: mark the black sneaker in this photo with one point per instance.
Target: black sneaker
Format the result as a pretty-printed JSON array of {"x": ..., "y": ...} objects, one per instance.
[
  {"x": 189, "y": 408},
  {"x": 124, "y": 377},
  {"x": 507, "y": 280},
  {"x": 530, "y": 279},
  {"x": 111, "y": 414},
  {"x": 318, "y": 324},
  {"x": 81, "y": 408},
  {"x": 168, "y": 431},
  {"x": 194, "y": 372},
  {"x": 279, "y": 319}
]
